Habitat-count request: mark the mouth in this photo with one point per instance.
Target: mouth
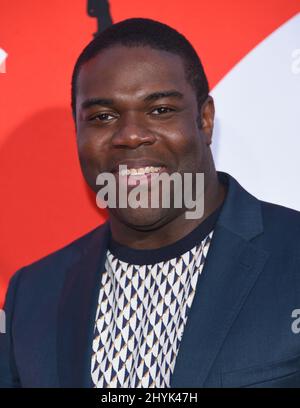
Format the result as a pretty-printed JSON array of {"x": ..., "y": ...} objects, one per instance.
[
  {"x": 139, "y": 171},
  {"x": 142, "y": 164},
  {"x": 139, "y": 175}
]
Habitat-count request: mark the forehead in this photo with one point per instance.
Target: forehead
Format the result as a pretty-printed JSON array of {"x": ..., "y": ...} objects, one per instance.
[{"x": 131, "y": 71}]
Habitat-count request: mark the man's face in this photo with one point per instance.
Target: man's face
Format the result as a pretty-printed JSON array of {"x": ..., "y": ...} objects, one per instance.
[{"x": 146, "y": 115}]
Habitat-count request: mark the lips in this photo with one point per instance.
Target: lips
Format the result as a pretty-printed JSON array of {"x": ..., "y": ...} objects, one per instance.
[
  {"x": 137, "y": 172},
  {"x": 137, "y": 164}
]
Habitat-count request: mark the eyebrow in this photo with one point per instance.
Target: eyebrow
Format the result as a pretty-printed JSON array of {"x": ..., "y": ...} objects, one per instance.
[
  {"x": 149, "y": 98},
  {"x": 163, "y": 94}
]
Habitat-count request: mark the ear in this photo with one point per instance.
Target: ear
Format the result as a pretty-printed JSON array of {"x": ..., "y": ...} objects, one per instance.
[{"x": 207, "y": 115}]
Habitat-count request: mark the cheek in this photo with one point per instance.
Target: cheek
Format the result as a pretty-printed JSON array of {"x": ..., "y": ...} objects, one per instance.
[
  {"x": 186, "y": 140},
  {"x": 188, "y": 147},
  {"x": 90, "y": 150}
]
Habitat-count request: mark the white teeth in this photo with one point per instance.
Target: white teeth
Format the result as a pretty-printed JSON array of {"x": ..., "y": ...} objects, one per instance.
[
  {"x": 140, "y": 171},
  {"x": 123, "y": 172}
]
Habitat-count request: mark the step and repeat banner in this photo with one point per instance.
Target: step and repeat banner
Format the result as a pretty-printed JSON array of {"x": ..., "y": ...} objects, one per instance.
[{"x": 251, "y": 54}]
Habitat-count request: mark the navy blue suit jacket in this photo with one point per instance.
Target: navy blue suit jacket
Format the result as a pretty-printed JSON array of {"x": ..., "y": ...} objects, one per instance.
[{"x": 239, "y": 331}]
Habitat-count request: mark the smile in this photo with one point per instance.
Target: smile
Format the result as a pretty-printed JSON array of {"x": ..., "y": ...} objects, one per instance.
[{"x": 139, "y": 171}]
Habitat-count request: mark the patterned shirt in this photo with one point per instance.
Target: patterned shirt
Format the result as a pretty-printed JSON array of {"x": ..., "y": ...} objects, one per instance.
[{"x": 143, "y": 306}]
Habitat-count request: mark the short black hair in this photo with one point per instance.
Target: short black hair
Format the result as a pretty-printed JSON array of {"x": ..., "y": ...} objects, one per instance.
[{"x": 135, "y": 32}]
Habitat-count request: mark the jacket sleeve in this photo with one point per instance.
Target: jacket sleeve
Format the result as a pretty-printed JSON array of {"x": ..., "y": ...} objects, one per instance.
[{"x": 9, "y": 377}]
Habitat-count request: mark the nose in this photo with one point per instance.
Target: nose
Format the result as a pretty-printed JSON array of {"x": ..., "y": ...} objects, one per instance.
[{"x": 132, "y": 133}]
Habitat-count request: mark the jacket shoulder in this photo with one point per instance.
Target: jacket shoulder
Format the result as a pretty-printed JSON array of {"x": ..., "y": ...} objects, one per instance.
[
  {"x": 55, "y": 263},
  {"x": 282, "y": 225},
  {"x": 280, "y": 216}
]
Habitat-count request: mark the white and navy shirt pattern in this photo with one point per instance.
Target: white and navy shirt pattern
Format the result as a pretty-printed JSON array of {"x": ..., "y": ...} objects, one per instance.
[{"x": 143, "y": 306}]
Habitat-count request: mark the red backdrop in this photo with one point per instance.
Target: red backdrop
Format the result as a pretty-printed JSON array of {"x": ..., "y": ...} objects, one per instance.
[{"x": 44, "y": 201}]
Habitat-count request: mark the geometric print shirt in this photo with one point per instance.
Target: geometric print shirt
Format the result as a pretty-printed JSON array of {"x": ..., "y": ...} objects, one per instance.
[{"x": 143, "y": 306}]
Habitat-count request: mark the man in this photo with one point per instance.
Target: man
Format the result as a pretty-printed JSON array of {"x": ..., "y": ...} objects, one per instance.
[{"x": 152, "y": 298}]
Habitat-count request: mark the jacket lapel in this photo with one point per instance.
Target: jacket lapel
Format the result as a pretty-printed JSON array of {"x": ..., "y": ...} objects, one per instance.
[
  {"x": 76, "y": 312},
  {"x": 231, "y": 269}
]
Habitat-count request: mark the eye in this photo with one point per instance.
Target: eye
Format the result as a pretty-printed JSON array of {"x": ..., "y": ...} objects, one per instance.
[
  {"x": 161, "y": 110},
  {"x": 102, "y": 117}
]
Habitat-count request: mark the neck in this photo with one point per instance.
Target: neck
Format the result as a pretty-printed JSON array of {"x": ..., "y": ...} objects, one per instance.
[{"x": 173, "y": 230}]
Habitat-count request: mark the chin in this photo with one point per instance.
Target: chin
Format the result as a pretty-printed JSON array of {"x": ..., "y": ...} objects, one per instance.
[{"x": 142, "y": 218}]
